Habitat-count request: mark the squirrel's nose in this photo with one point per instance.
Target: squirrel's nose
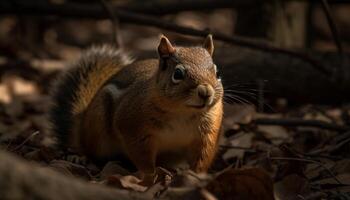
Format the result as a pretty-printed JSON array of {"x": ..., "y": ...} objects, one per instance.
[{"x": 205, "y": 92}]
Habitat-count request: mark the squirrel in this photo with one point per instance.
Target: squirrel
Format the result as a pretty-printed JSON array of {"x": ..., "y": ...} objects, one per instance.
[{"x": 107, "y": 104}]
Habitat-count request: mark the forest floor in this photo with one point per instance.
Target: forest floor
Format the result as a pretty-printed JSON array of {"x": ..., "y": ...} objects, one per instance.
[{"x": 256, "y": 158}]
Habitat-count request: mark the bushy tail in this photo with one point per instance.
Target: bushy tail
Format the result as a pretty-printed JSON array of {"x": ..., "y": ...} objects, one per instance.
[{"x": 76, "y": 88}]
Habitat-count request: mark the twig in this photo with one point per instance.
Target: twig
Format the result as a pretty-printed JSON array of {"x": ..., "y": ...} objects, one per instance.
[
  {"x": 296, "y": 153},
  {"x": 339, "y": 140},
  {"x": 323, "y": 156},
  {"x": 83, "y": 10},
  {"x": 25, "y": 141},
  {"x": 242, "y": 148},
  {"x": 115, "y": 21},
  {"x": 338, "y": 146},
  {"x": 309, "y": 161},
  {"x": 301, "y": 122},
  {"x": 332, "y": 26}
]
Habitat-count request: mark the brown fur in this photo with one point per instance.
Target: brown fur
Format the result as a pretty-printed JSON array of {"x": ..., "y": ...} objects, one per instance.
[{"x": 140, "y": 113}]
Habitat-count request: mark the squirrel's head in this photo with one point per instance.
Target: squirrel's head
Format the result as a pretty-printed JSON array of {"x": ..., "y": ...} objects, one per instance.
[{"x": 187, "y": 76}]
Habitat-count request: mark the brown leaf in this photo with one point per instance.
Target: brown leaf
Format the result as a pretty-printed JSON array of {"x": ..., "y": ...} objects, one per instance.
[
  {"x": 276, "y": 134},
  {"x": 292, "y": 186},
  {"x": 235, "y": 114},
  {"x": 21, "y": 86},
  {"x": 112, "y": 168},
  {"x": 245, "y": 140},
  {"x": 237, "y": 184},
  {"x": 126, "y": 182}
]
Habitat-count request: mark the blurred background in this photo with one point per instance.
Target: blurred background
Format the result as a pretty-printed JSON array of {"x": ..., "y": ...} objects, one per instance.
[{"x": 41, "y": 36}]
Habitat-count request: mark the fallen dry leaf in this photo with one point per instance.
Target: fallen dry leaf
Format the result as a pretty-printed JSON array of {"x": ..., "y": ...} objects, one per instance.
[
  {"x": 238, "y": 184},
  {"x": 235, "y": 114},
  {"x": 112, "y": 168},
  {"x": 126, "y": 182},
  {"x": 19, "y": 86},
  {"x": 276, "y": 134},
  {"x": 292, "y": 187},
  {"x": 244, "y": 140}
]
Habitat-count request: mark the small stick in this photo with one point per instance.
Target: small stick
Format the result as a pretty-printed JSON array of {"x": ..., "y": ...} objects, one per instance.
[
  {"x": 115, "y": 21},
  {"x": 25, "y": 141},
  {"x": 301, "y": 122},
  {"x": 332, "y": 26},
  {"x": 309, "y": 161},
  {"x": 242, "y": 148}
]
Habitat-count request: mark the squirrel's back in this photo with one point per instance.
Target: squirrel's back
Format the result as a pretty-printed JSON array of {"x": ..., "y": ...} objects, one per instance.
[{"x": 76, "y": 87}]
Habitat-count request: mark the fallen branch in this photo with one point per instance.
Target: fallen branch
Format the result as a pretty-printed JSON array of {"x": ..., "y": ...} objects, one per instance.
[
  {"x": 24, "y": 180},
  {"x": 286, "y": 77},
  {"x": 20, "y": 180},
  {"x": 301, "y": 122}
]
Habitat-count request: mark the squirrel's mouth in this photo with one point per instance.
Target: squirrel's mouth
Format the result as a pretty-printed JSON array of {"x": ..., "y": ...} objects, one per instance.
[
  {"x": 204, "y": 105},
  {"x": 201, "y": 103}
]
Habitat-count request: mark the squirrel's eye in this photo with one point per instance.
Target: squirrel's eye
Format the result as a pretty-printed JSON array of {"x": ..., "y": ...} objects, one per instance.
[{"x": 179, "y": 74}]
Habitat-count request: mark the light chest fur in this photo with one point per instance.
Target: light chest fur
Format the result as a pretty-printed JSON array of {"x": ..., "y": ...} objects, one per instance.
[{"x": 178, "y": 134}]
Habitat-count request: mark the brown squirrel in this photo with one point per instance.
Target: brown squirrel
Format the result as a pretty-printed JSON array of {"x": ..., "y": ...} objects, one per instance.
[{"x": 108, "y": 105}]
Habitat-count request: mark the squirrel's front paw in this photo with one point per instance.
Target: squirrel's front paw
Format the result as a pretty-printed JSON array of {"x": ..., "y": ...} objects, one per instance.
[
  {"x": 159, "y": 175},
  {"x": 147, "y": 179}
]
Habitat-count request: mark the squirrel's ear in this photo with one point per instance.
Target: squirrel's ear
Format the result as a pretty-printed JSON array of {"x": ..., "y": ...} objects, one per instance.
[
  {"x": 165, "y": 48},
  {"x": 209, "y": 44}
]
